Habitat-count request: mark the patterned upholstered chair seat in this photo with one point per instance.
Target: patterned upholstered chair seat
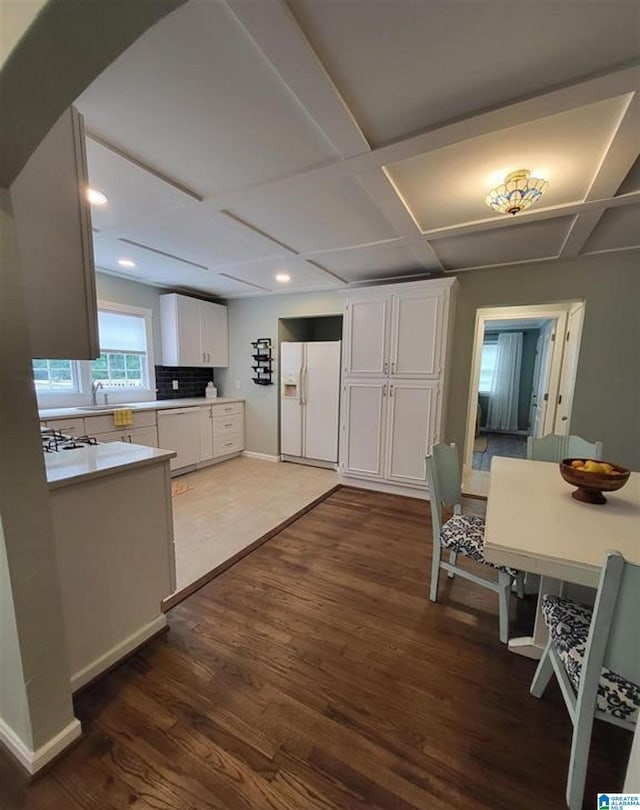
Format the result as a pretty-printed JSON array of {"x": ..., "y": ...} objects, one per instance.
[
  {"x": 464, "y": 534},
  {"x": 568, "y": 624}
]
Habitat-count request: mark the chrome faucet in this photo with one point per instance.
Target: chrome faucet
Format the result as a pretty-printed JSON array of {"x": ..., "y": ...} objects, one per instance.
[{"x": 96, "y": 385}]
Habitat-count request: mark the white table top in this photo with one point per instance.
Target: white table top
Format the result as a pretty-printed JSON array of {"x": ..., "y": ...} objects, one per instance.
[{"x": 533, "y": 524}]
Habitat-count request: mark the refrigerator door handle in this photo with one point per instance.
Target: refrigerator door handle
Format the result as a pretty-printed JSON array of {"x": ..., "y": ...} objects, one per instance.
[
  {"x": 304, "y": 375},
  {"x": 300, "y": 397}
]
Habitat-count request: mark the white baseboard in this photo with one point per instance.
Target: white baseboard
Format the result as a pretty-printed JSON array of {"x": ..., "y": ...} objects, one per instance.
[
  {"x": 381, "y": 486},
  {"x": 115, "y": 654},
  {"x": 262, "y": 456},
  {"x": 33, "y": 761}
]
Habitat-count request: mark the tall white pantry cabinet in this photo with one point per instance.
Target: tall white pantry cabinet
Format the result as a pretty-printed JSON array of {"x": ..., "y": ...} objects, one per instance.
[{"x": 396, "y": 344}]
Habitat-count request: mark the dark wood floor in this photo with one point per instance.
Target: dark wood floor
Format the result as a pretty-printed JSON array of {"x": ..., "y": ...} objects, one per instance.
[{"x": 316, "y": 674}]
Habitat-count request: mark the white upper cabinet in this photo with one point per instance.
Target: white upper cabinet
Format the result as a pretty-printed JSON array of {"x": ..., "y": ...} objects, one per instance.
[
  {"x": 194, "y": 332},
  {"x": 416, "y": 335},
  {"x": 213, "y": 331},
  {"x": 366, "y": 336},
  {"x": 397, "y": 334},
  {"x": 53, "y": 227}
]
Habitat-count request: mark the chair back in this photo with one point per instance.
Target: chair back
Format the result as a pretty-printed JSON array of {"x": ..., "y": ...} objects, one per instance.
[
  {"x": 555, "y": 448},
  {"x": 444, "y": 481},
  {"x": 613, "y": 636}
]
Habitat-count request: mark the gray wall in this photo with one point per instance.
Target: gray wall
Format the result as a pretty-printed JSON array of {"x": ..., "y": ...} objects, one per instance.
[
  {"x": 251, "y": 318},
  {"x": 122, "y": 291},
  {"x": 607, "y": 395}
]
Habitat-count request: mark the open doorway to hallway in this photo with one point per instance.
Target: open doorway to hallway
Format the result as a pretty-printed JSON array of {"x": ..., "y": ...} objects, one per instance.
[{"x": 522, "y": 379}]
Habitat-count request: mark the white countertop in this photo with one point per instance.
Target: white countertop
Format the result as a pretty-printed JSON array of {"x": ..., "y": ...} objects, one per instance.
[
  {"x": 150, "y": 405},
  {"x": 71, "y": 466}
]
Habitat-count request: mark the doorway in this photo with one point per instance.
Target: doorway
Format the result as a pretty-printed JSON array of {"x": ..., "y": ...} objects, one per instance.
[{"x": 522, "y": 379}]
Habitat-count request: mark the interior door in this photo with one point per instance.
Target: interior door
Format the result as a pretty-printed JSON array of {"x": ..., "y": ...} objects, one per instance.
[
  {"x": 321, "y": 394},
  {"x": 291, "y": 401},
  {"x": 545, "y": 343},
  {"x": 415, "y": 335},
  {"x": 412, "y": 406},
  {"x": 569, "y": 368},
  {"x": 363, "y": 428},
  {"x": 366, "y": 342}
]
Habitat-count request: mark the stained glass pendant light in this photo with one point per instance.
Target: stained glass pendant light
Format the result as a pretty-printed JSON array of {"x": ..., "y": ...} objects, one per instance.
[{"x": 518, "y": 192}]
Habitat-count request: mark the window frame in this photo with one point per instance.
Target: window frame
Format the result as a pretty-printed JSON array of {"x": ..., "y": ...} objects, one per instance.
[{"x": 486, "y": 343}]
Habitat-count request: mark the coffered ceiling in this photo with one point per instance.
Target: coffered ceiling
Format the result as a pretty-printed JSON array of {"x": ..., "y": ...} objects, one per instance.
[{"x": 352, "y": 141}]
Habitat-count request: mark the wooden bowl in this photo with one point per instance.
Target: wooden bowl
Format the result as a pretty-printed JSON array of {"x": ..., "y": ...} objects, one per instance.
[{"x": 591, "y": 485}]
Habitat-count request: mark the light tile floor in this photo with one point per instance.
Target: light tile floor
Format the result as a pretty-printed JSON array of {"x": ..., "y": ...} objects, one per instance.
[{"x": 234, "y": 503}]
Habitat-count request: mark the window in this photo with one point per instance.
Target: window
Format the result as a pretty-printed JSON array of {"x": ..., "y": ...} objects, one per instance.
[
  {"x": 55, "y": 376},
  {"x": 125, "y": 366},
  {"x": 123, "y": 351},
  {"x": 487, "y": 365}
]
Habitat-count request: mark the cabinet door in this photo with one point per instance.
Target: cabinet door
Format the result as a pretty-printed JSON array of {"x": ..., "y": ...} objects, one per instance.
[
  {"x": 53, "y": 229},
  {"x": 146, "y": 436},
  {"x": 206, "y": 433},
  {"x": 415, "y": 334},
  {"x": 366, "y": 336},
  {"x": 363, "y": 428},
  {"x": 189, "y": 345},
  {"x": 411, "y": 408},
  {"x": 213, "y": 334}
]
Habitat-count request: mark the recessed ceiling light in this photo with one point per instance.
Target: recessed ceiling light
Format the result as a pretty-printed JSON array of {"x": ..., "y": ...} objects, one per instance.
[
  {"x": 283, "y": 278},
  {"x": 96, "y": 197},
  {"x": 126, "y": 263}
]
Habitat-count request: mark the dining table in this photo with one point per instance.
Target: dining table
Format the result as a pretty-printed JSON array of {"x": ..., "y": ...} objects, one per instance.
[{"x": 534, "y": 525}]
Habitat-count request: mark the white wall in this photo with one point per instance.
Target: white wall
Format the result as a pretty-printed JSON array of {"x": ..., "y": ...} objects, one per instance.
[
  {"x": 14, "y": 711},
  {"x": 251, "y": 318},
  {"x": 34, "y": 667}
]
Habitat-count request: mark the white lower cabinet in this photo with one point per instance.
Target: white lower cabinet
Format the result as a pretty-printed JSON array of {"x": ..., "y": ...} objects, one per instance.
[
  {"x": 364, "y": 409},
  {"x": 387, "y": 428},
  {"x": 221, "y": 430},
  {"x": 411, "y": 408}
]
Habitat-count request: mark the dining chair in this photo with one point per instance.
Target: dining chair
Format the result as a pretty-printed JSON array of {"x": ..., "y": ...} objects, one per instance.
[
  {"x": 462, "y": 534},
  {"x": 554, "y": 448},
  {"x": 595, "y": 656}
]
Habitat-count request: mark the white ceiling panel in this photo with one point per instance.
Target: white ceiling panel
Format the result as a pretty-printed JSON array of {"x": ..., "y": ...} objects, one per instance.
[
  {"x": 330, "y": 213},
  {"x": 632, "y": 181},
  {"x": 404, "y": 65},
  {"x": 372, "y": 262},
  {"x": 514, "y": 244},
  {"x": 132, "y": 192},
  {"x": 619, "y": 227},
  {"x": 303, "y": 275},
  {"x": 448, "y": 186},
  {"x": 195, "y": 99},
  {"x": 201, "y": 235},
  {"x": 161, "y": 270}
]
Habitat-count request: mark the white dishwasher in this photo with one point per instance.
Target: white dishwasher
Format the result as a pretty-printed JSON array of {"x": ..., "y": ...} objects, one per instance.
[{"x": 179, "y": 430}]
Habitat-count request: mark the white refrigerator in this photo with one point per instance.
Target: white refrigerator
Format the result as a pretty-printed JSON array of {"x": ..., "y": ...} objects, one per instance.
[{"x": 309, "y": 402}]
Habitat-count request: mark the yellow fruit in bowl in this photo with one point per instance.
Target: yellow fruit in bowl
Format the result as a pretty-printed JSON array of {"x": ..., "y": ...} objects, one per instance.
[
  {"x": 608, "y": 468},
  {"x": 594, "y": 467},
  {"x": 577, "y": 464}
]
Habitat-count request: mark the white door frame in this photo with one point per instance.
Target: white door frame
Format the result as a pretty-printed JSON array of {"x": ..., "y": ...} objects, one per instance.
[{"x": 558, "y": 312}]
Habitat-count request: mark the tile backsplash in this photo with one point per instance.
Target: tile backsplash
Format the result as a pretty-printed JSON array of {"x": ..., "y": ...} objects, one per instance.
[{"x": 191, "y": 381}]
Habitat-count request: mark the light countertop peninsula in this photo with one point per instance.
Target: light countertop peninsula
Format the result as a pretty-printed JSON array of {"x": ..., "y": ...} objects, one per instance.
[{"x": 68, "y": 467}]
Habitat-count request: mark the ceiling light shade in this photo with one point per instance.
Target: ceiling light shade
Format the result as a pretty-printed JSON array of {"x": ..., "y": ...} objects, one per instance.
[
  {"x": 517, "y": 193},
  {"x": 126, "y": 263},
  {"x": 283, "y": 278}
]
